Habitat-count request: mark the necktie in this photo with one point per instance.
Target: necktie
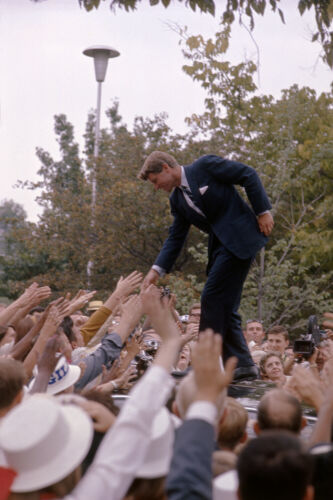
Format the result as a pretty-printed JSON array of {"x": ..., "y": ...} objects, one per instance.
[
  {"x": 187, "y": 190},
  {"x": 190, "y": 199}
]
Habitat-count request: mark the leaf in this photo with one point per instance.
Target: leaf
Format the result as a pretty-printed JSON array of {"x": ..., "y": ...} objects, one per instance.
[
  {"x": 301, "y": 6},
  {"x": 281, "y": 15}
]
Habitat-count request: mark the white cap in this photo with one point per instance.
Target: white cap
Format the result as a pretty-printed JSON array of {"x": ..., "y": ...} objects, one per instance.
[
  {"x": 44, "y": 441},
  {"x": 158, "y": 457},
  {"x": 225, "y": 486},
  {"x": 65, "y": 375}
]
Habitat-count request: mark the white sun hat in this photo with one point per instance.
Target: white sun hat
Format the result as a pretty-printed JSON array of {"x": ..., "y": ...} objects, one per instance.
[
  {"x": 159, "y": 453},
  {"x": 225, "y": 486},
  {"x": 63, "y": 376},
  {"x": 44, "y": 441}
]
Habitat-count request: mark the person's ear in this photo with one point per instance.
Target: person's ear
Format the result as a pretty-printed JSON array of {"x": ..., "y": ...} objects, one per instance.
[
  {"x": 174, "y": 409},
  {"x": 223, "y": 416},
  {"x": 18, "y": 398},
  {"x": 243, "y": 439},
  {"x": 309, "y": 493},
  {"x": 304, "y": 423},
  {"x": 256, "y": 428}
]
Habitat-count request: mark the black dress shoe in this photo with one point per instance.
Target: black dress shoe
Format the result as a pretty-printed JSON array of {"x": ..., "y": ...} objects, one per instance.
[{"x": 245, "y": 373}]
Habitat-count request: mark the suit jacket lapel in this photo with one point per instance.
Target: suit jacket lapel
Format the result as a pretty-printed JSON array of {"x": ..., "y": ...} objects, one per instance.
[{"x": 193, "y": 183}]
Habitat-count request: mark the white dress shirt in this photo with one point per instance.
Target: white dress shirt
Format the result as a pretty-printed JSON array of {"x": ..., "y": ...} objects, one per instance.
[{"x": 124, "y": 447}]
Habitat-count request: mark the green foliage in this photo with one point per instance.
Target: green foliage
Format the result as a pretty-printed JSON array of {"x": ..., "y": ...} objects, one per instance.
[
  {"x": 289, "y": 142},
  {"x": 246, "y": 9},
  {"x": 130, "y": 5}
]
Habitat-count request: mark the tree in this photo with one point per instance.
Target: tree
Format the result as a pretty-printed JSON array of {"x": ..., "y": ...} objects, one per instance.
[
  {"x": 18, "y": 261},
  {"x": 323, "y": 11},
  {"x": 12, "y": 215},
  {"x": 289, "y": 141},
  {"x": 130, "y": 222},
  {"x": 246, "y": 9}
]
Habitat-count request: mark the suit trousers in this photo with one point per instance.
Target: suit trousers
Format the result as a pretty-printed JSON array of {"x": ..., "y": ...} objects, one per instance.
[{"x": 220, "y": 301}]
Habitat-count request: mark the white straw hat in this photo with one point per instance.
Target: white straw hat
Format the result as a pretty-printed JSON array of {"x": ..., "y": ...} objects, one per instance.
[
  {"x": 225, "y": 486},
  {"x": 158, "y": 457},
  {"x": 63, "y": 376},
  {"x": 44, "y": 441}
]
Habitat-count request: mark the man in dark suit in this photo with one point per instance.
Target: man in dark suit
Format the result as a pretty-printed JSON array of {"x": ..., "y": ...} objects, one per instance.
[{"x": 203, "y": 194}]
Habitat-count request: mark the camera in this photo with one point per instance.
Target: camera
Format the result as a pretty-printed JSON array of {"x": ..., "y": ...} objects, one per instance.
[
  {"x": 165, "y": 292},
  {"x": 151, "y": 347},
  {"x": 142, "y": 361},
  {"x": 305, "y": 345}
]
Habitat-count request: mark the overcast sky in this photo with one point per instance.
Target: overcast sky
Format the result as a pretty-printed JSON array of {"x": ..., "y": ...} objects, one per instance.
[{"x": 43, "y": 70}]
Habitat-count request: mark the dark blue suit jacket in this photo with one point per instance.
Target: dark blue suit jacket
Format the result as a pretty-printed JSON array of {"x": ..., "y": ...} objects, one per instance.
[
  {"x": 227, "y": 215},
  {"x": 190, "y": 475}
]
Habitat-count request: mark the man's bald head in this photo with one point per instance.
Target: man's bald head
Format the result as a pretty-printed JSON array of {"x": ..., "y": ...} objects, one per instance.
[{"x": 279, "y": 410}]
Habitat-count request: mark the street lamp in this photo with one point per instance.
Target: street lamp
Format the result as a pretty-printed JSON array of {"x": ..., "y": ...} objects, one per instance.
[{"x": 101, "y": 55}]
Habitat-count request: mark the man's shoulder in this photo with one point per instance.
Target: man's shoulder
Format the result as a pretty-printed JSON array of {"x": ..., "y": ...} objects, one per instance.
[
  {"x": 205, "y": 160},
  {"x": 203, "y": 166}
]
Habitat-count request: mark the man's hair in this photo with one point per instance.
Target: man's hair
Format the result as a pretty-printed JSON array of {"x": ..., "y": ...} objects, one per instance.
[
  {"x": 274, "y": 466},
  {"x": 265, "y": 358},
  {"x": 67, "y": 327},
  {"x": 279, "y": 329},
  {"x": 232, "y": 427},
  {"x": 279, "y": 410},
  {"x": 12, "y": 377},
  {"x": 196, "y": 305},
  {"x": 144, "y": 488},
  {"x": 154, "y": 164}
]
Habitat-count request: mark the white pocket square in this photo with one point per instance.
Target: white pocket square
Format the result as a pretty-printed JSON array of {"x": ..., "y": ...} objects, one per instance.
[{"x": 203, "y": 189}]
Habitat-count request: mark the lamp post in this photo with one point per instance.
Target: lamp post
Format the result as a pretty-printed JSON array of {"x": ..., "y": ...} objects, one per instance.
[{"x": 101, "y": 55}]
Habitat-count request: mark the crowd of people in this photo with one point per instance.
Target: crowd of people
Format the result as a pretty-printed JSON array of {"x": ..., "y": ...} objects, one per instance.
[{"x": 126, "y": 399}]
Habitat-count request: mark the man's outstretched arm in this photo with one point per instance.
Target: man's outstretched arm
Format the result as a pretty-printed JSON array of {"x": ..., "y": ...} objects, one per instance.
[{"x": 170, "y": 250}]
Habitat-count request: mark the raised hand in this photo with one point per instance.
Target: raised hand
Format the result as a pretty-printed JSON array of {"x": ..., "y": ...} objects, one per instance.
[
  {"x": 112, "y": 373},
  {"x": 131, "y": 311},
  {"x": 80, "y": 300},
  {"x": 52, "y": 321},
  {"x": 305, "y": 386},
  {"x": 151, "y": 278},
  {"x": 159, "y": 311},
  {"x": 121, "y": 382},
  {"x": 49, "y": 359},
  {"x": 134, "y": 345},
  {"x": 102, "y": 418},
  {"x": 40, "y": 294},
  {"x": 127, "y": 285},
  {"x": 210, "y": 379},
  {"x": 191, "y": 333},
  {"x": 46, "y": 363}
]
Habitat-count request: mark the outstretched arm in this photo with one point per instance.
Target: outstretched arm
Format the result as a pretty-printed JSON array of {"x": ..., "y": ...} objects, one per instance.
[
  {"x": 174, "y": 243},
  {"x": 190, "y": 473}
]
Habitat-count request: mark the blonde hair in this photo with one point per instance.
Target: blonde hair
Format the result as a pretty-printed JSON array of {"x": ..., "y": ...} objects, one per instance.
[{"x": 232, "y": 427}]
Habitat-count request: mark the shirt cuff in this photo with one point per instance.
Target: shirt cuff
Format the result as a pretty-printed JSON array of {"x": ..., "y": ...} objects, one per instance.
[
  {"x": 203, "y": 410},
  {"x": 115, "y": 338},
  {"x": 265, "y": 212},
  {"x": 159, "y": 269}
]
